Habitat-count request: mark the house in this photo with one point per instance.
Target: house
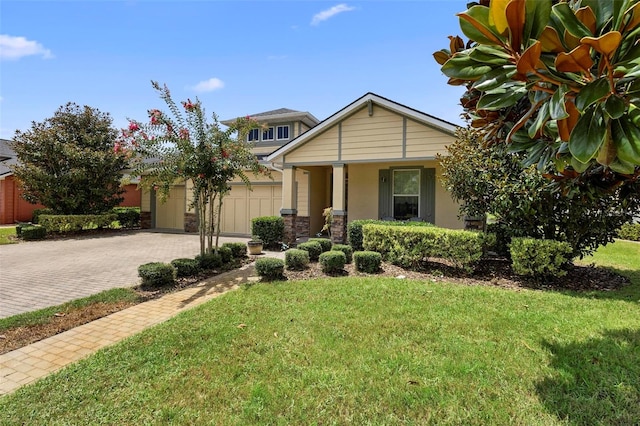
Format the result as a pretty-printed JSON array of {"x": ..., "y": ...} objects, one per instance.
[
  {"x": 14, "y": 209},
  {"x": 373, "y": 159}
]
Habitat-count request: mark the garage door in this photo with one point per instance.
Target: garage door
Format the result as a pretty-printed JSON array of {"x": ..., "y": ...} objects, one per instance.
[
  {"x": 242, "y": 205},
  {"x": 170, "y": 214}
]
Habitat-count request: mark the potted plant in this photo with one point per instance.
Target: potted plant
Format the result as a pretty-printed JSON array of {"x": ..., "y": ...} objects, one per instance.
[{"x": 255, "y": 245}]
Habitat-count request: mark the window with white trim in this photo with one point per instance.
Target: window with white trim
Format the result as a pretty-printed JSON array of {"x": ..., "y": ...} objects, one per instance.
[
  {"x": 267, "y": 135},
  {"x": 253, "y": 135},
  {"x": 282, "y": 132},
  {"x": 406, "y": 194}
]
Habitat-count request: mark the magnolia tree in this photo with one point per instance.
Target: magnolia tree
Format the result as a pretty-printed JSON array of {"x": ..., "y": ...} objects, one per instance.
[
  {"x": 556, "y": 79},
  {"x": 180, "y": 145}
]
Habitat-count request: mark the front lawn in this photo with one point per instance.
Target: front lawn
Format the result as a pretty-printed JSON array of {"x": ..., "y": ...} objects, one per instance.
[
  {"x": 5, "y": 233},
  {"x": 363, "y": 351}
]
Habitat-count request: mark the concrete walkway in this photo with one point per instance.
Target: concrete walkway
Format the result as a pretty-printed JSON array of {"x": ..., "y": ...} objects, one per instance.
[
  {"x": 30, "y": 363},
  {"x": 39, "y": 274}
]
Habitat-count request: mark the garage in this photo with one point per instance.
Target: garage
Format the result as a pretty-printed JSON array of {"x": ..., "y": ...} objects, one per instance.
[
  {"x": 241, "y": 205},
  {"x": 170, "y": 214}
]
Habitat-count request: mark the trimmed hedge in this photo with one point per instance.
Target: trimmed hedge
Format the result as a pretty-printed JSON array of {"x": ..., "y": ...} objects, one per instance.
[
  {"x": 37, "y": 212},
  {"x": 367, "y": 261},
  {"x": 296, "y": 259},
  {"x": 313, "y": 247},
  {"x": 629, "y": 231},
  {"x": 346, "y": 249},
  {"x": 226, "y": 254},
  {"x": 156, "y": 274},
  {"x": 31, "y": 233},
  {"x": 539, "y": 258},
  {"x": 186, "y": 267},
  {"x": 270, "y": 229},
  {"x": 127, "y": 217},
  {"x": 238, "y": 250},
  {"x": 325, "y": 243},
  {"x": 332, "y": 261},
  {"x": 407, "y": 246},
  {"x": 75, "y": 222},
  {"x": 209, "y": 261},
  {"x": 270, "y": 268},
  {"x": 354, "y": 229}
]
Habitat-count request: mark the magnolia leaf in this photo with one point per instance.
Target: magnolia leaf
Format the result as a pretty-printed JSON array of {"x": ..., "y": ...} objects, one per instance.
[
  {"x": 455, "y": 44},
  {"x": 627, "y": 138},
  {"x": 551, "y": 41},
  {"x": 587, "y": 17},
  {"x": 614, "y": 106},
  {"x": 494, "y": 79},
  {"x": 557, "y": 109},
  {"x": 541, "y": 118},
  {"x": 463, "y": 67},
  {"x": 566, "y": 126},
  {"x": 528, "y": 62},
  {"x": 578, "y": 166},
  {"x": 441, "y": 56},
  {"x": 588, "y": 135},
  {"x": 634, "y": 21},
  {"x": 621, "y": 166},
  {"x": 501, "y": 98},
  {"x": 474, "y": 23},
  {"x": 489, "y": 55},
  {"x": 515, "y": 12},
  {"x": 497, "y": 16},
  {"x": 592, "y": 92},
  {"x": 578, "y": 60},
  {"x": 620, "y": 7},
  {"x": 569, "y": 20},
  {"x": 607, "y": 152},
  {"x": 603, "y": 10},
  {"x": 634, "y": 115},
  {"x": 537, "y": 17},
  {"x": 606, "y": 44},
  {"x": 456, "y": 82}
]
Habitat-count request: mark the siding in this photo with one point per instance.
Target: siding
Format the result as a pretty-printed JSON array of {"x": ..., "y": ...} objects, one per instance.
[
  {"x": 375, "y": 137},
  {"x": 323, "y": 147},
  {"x": 423, "y": 141}
]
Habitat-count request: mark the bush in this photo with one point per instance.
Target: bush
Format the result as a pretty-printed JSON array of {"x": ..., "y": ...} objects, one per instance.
[
  {"x": 38, "y": 212},
  {"x": 238, "y": 250},
  {"x": 270, "y": 268},
  {"x": 540, "y": 258},
  {"x": 76, "y": 222},
  {"x": 30, "y": 232},
  {"x": 629, "y": 231},
  {"x": 226, "y": 254},
  {"x": 270, "y": 229},
  {"x": 296, "y": 259},
  {"x": 354, "y": 229},
  {"x": 128, "y": 217},
  {"x": 156, "y": 274},
  {"x": 346, "y": 249},
  {"x": 313, "y": 247},
  {"x": 209, "y": 261},
  {"x": 325, "y": 243},
  {"x": 186, "y": 267},
  {"x": 332, "y": 261},
  {"x": 367, "y": 261}
]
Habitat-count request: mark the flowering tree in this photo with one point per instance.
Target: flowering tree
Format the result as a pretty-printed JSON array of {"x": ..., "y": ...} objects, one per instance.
[{"x": 182, "y": 146}]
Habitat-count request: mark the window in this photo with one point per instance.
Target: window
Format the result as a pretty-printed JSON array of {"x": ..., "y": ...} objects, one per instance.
[
  {"x": 282, "y": 132},
  {"x": 267, "y": 135},
  {"x": 406, "y": 194},
  {"x": 253, "y": 135}
]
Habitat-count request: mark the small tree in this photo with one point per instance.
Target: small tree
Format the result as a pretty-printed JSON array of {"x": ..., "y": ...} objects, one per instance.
[
  {"x": 182, "y": 146},
  {"x": 70, "y": 162}
]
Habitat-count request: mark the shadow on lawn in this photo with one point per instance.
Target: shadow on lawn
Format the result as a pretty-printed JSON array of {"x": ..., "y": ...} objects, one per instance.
[{"x": 596, "y": 381}]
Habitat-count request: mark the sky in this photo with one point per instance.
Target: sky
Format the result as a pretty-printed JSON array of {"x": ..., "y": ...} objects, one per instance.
[{"x": 238, "y": 57}]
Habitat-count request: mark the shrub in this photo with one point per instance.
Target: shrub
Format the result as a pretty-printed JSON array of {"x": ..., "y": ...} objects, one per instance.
[
  {"x": 186, "y": 267},
  {"x": 30, "y": 232},
  {"x": 332, "y": 261},
  {"x": 156, "y": 274},
  {"x": 313, "y": 247},
  {"x": 209, "y": 260},
  {"x": 226, "y": 254},
  {"x": 346, "y": 249},
  {"x": 128, "y": 217},
  {"x": 76, "y": 222},
  {"x": 38, "y": 212},
  {"x": 325, "y": 243},
  {"x": 270, "y": 268},
  {"x": 629, "y": 231},
  {"x": 270, "y": 229},
  {"x": 367, "y": 261},
  {"x": 296, "y": 259},
  {"x": 354, "y": 229},
  {"x": 540, "y": 258},
  {"x": 238, "y": 250}
]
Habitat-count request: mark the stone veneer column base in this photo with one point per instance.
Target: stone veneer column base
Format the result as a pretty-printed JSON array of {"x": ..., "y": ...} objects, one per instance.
[
  {"x": 303, "y": 226},
  {"x": 190, "y": 222},
  {"x": 289, "y": 228},
  {"x": 145, "y": 220},
  {"x": 339, "y": 229}
]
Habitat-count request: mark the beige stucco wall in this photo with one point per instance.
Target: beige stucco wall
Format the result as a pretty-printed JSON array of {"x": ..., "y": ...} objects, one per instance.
[{"x": 302, "y": 179}]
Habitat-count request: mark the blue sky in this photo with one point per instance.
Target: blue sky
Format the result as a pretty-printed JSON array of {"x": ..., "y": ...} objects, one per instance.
[{"x": 237, "y": 57}]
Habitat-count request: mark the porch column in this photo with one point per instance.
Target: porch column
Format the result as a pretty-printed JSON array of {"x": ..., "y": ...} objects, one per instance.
[
  {"x": 339, "y": 224},
  {"x": 289, "y": 209}
]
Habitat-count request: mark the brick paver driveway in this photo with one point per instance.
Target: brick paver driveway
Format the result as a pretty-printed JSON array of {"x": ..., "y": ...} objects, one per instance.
[{"x": 38, "y": 274}]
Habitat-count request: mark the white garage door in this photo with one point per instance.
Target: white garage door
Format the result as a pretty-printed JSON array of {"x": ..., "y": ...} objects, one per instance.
[
  {"x": 242, "y": 205},
  {"x": 170, "y": 214}
]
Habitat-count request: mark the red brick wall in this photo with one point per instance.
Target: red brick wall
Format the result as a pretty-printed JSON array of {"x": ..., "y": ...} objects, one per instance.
[{"x": 133, "y": 196}]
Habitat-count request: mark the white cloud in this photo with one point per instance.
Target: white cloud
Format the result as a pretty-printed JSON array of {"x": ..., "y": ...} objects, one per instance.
[
  {"x": 209, "y": 85},
  {"x": 16, "y": 47},
  {"x": 329, "y": 13}
]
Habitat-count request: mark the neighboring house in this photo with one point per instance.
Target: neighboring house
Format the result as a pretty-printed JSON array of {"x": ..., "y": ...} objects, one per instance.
[
  {"x": 373, "y": 159},
  {"x": 13, "y": 208}
]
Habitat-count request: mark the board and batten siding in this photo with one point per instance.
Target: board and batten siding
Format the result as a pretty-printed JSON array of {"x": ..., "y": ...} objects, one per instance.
[{"x": 376, "y": 137}]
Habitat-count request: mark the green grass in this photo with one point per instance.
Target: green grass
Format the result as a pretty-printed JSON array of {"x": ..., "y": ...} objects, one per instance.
[
  {"x": 45, "y": 315},
  {"x": 5, "y": 233},
  {"x": 361, "y": 351}
]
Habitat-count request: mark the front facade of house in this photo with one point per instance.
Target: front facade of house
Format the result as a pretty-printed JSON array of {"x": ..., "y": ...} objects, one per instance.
[{"x": 373, "y": 159}]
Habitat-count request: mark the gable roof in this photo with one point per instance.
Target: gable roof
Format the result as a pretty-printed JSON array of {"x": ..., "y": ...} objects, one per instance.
[
  {"x": 280, "y": 115},
  {"x": 7, "y": 157},
  {"x": 412, "y": 113}
]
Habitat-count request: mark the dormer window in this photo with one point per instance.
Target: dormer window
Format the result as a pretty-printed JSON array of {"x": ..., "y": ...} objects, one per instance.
[
  {"x": 282, "y": 132},
  {"x": 267, "y": 135},
  {"x": 253, "y": 135}
]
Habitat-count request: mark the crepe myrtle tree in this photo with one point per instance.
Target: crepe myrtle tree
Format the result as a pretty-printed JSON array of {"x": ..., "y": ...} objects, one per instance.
[
  {"x": 181, "y": 145},
  {"x": 557, "y": 80}
]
